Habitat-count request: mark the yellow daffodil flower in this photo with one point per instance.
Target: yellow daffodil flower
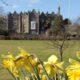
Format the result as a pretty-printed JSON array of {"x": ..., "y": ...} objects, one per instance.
[
  {"x": 52, "y": 66},
  {"x": 73, "y": 62},
  {"x": 44, "y": 77},
  {"x": 10, "y": 65},
  {"x": 22, "y": 58},
  {"x": 40, "y": 68},
  {"x": 51, "y": 69},
  {"x": 23, "y": 52},
  {"x": 73, "y": 70},
  {"x": 52, "y": 59},
  {"x": 34, "y": 60}
]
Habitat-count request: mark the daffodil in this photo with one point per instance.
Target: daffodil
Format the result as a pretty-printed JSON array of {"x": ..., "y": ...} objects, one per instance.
[
  {"x": 22, "y": 53},
  {"x": 73, "y": 62},
  {"x": 52, "y": 66},
  {"x": 40, "y": 69},
  {"x": 10, "y": 65},
  {"x": 73, "y": 70},
  {"x": 22, "y": 58},
  {"x": 34, "y": 60},
  {"x": 53, "y": 59},
  {"x": 23, "y": 62},
  {"x": 44, "y": 77},
  {"x": 8, "y": 60},
  {"x": 26, "y": 60}
]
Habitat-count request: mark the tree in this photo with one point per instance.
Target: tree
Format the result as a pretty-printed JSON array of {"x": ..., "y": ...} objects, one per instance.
[
  {"x": 66, "y": 21},
  {"x": 3, "y": 22},
  {"x": 56, "y": 27},
  {"x": 59, "y": 35},
  {"x": 78, "y": 29}
]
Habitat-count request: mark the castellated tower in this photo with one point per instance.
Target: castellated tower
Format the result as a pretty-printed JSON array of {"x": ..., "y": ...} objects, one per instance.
[
  {"x": 33, "y": 23},
  {"x": 18, "y": 23},
  {"x": 24, "y": 22},
  {"x": 59, "y": 8},
  {"x": 14, "y": 22}
]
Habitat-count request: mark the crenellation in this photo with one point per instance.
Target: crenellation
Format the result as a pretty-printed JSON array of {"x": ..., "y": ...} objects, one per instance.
[{"x": 31, "y": 22}]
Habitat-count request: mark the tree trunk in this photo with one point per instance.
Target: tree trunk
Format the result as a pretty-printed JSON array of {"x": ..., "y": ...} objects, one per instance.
[{"x": 61, "y": 54}]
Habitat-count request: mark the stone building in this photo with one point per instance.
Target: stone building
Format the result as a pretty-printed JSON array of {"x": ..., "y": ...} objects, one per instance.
[
  {"x": 3, "y": 23},
  {"x": 42, "y": 20},
  {"x": 14, "y": 22},
  {"x": 10, "y": 21},
  {"x": 33, "y": 23},
  {"x": 18, "y": 23},
  {"x": 24, "y": 22}
]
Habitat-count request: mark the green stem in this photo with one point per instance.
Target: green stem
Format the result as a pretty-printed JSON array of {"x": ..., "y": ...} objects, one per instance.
[
  {"x": 11, "y": 74},
  {"x": 24, "y": 75},
  {"x": 36, "y": 71},
  {"x": 45, "y": 70}
]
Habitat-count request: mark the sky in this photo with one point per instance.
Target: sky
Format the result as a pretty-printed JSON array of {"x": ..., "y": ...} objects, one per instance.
[{"x": 69, "y": 8}]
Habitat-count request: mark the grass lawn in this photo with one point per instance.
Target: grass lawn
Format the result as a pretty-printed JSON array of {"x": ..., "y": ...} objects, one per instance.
[{"x": 39, "y": 48}]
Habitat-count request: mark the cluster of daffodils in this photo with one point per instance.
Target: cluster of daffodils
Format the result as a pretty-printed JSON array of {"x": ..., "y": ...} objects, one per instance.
[{"x": 25, "y": 66}]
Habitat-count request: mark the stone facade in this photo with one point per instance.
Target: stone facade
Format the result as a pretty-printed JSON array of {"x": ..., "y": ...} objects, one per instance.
[
  {"x": 14, "y": 22},
  {"x": 42, "y": 20},
  {"x": 24, "y": 19},
  {"x": 33, "y": 23}
]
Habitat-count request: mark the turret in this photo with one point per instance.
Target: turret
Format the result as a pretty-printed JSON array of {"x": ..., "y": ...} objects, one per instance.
[{"x": 59, "y": 8}]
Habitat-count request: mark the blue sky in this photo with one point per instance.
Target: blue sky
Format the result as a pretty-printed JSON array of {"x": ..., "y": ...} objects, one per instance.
[{"x": 69, "y": 8}]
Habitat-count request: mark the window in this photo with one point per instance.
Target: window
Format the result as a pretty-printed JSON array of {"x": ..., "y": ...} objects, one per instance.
[{"x": 33, "y": 25}]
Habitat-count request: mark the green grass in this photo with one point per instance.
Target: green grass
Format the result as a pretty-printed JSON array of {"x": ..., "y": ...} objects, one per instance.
[{"x": 39, "y": 48}]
